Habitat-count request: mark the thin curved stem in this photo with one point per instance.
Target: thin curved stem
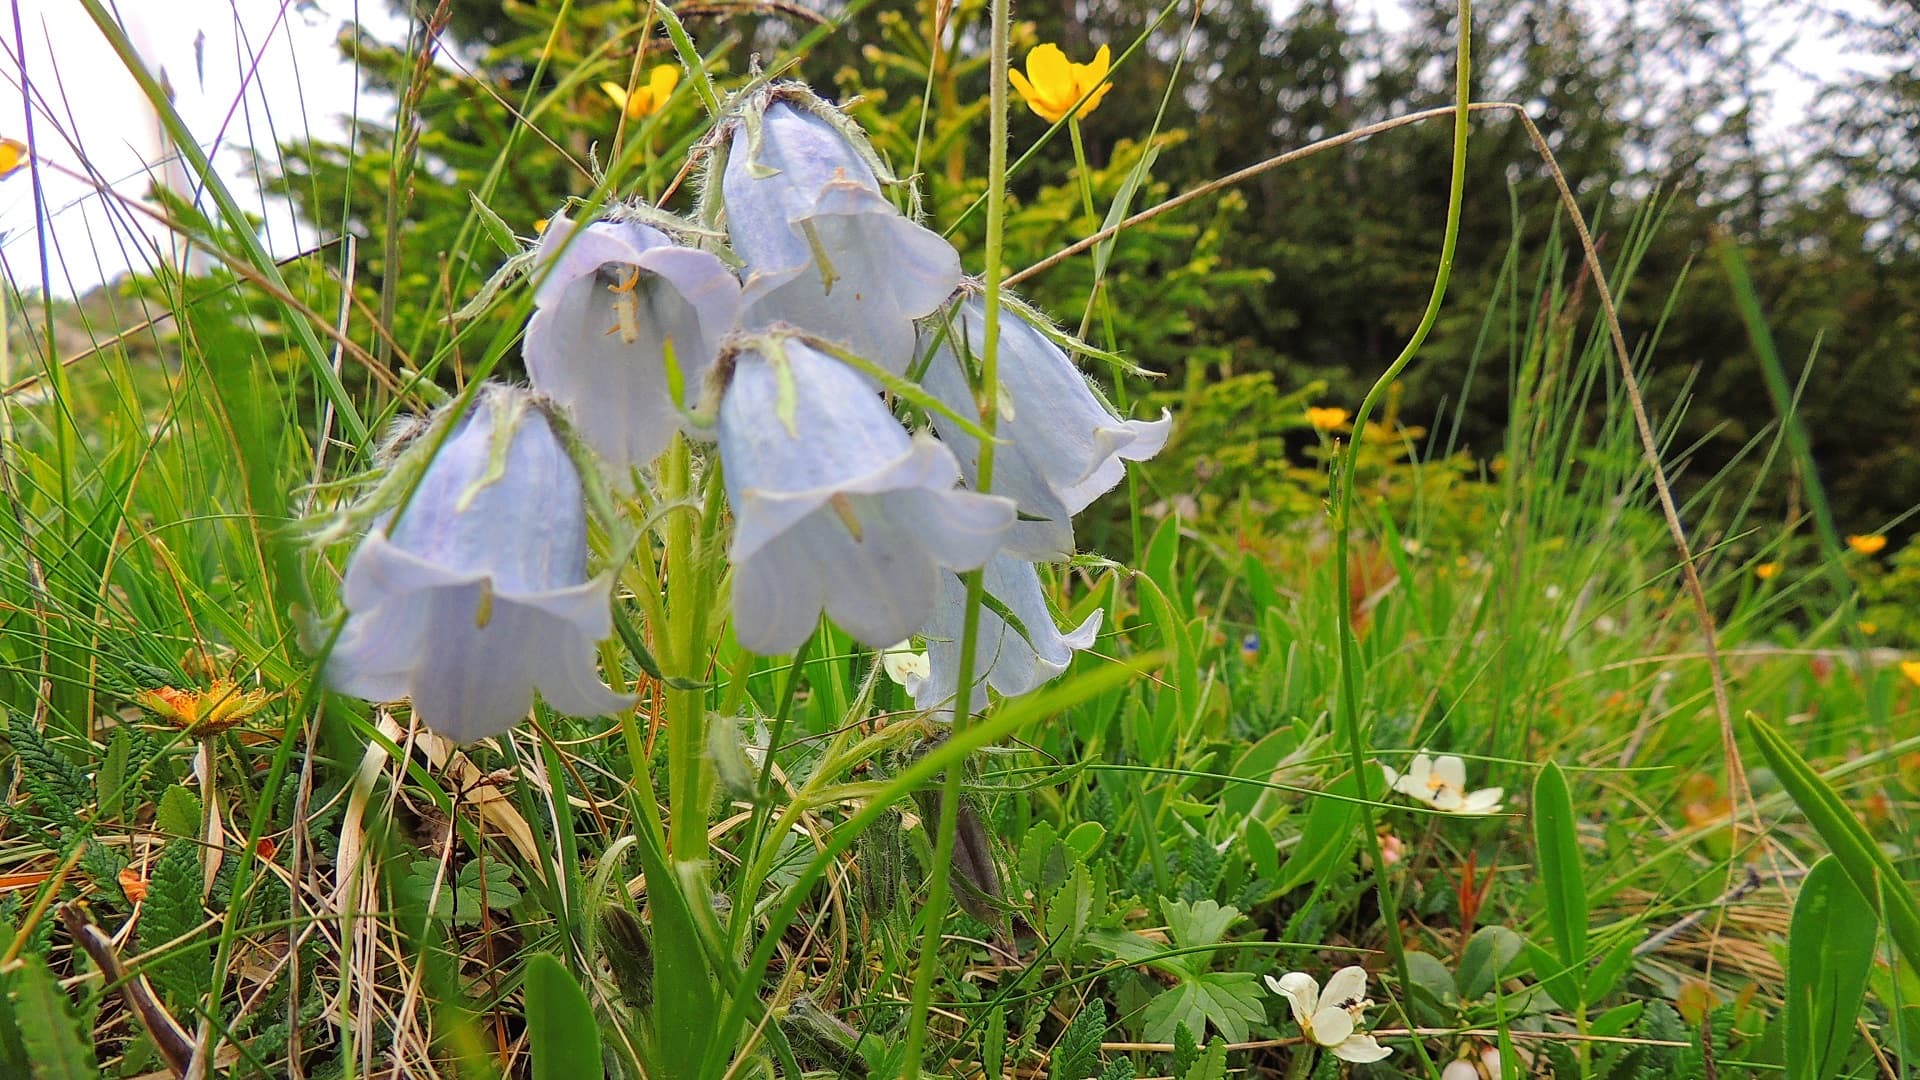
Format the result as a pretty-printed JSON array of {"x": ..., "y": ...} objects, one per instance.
[{"x": 1349, "y": 693}]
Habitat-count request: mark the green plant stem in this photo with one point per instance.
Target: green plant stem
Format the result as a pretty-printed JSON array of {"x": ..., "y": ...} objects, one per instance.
[
  {"x": 679, "y": 653},
  {"x": 1349, "y": 693},
  {"x": 1096, "y": 295},
  {"x": 993, "y": 273}
]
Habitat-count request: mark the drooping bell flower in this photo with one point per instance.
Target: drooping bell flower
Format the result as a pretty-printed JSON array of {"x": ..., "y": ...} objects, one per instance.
[
  {"x": 1012, "y": 660},
  {"x": 613, "y": 297},
  {"x": 825, "y": 251},
  {"x": 478, "y": 593},
  {"x": 836, "y": 507},
  {"x": 1067, "y": 448}
]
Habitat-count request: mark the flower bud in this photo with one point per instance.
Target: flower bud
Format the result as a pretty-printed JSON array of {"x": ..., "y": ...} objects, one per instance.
[
  {"x": 613, "y": 298},
  {"x": 825, "y": 251},
  {"x": 478, "y": 593},
  {"x": 836, "y": 507}
]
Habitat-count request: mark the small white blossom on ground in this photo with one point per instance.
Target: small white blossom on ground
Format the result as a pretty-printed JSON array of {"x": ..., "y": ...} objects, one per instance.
[
  {"x": 905, "y": 665},
  {"x": 1442, "y": 784},
  {"x": 1332, "y": 1019}
]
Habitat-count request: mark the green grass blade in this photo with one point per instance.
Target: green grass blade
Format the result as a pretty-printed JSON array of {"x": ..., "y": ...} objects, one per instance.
[
  {"x": 1829, "y": 954},
  {"x": 1868, "y": 867}
]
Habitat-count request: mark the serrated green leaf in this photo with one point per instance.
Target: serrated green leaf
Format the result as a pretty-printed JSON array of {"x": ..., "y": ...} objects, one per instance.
[
  {"x": 57, "y": 785},
  {"x": 561, "y": 1030},
  {"x": 1829, "y": 955},
  {"x": 179, "y": 813},
  {"x": 1186, "y": 1050},
  {"x": 174, "y": 909},
  {"x": 1077, "y": 1055},
  {"x": 993, "y": 1043},
  {"x": 48, "y": 1029},
  {"x": 1212, "y": 1066}
]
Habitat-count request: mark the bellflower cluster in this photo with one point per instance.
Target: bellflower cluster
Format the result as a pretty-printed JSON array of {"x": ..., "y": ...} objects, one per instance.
[{"x": 789, "y": 346}]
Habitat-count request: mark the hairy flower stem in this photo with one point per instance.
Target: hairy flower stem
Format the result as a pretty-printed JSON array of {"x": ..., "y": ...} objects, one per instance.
[
  {"x": 992, "y": 272},
  {"x": 1343, "y": 509}
]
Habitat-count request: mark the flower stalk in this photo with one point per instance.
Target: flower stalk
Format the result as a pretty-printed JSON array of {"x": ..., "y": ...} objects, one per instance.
[{"x": 963, "y": 704}]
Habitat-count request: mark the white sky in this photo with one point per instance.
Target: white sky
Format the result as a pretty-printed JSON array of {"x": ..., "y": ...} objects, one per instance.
[{"x": 88, "y": 109}]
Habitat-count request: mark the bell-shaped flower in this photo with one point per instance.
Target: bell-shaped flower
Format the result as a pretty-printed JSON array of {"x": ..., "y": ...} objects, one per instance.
[
  {"x": 478, "y": 593},
  {"x": 836, "y": 508},
  {"x": 1442, "y": 784},
  {"x": 613, "y": 297},
  {"x": 824, "y": 249},
  {"x": 1011, "y": 659},
  {"x": 1067, "y": 448},
  {"x": 1332, "y": 1018}
]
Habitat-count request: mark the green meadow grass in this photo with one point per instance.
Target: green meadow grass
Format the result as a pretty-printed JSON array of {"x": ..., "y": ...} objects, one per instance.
[{"x": 326, "y": 890}]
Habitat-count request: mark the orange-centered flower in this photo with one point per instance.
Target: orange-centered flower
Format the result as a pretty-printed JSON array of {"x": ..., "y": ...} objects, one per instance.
[
  {"x": 1867, "y": 545},
  {"x": 1053, "y": 83},
  {"x": 645, "y": 100},
  {"x": 203, "y": 713},
  {"x": 1327, "y": 418},
  {"x": 1766, "y": 571}
]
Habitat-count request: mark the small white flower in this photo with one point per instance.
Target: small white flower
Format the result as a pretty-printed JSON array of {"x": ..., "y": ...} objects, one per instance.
[
  {"x": 1442, "y": 784},
  {"x": 1013, "y": 662},
  {"x": 1332, "y": 1019},
  {"x": 614, "y": 296},
  {"x": 836, "y": 507},
  {"x": 825, "y": 251},
  {"x": 1067, "y": 448},
  {"x": 479, "y": 594},
  {"x": 905, "y": 665},
  {"x": 1460, "y": 1069}
]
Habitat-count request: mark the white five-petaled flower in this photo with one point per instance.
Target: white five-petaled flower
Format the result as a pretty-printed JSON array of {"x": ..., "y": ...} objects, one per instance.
[
  {"x": 1332, "y": 1019},
  {"x": 836, "y": 507},
  {"x": 1012, "y": 661},
  {"x": 1067, "y": 447},
  {"x": 614, "y": 297},
  {"x": 824, "y": 249},
  {"x": 1442, "y": 784},
  {"x": 905, "y": 665},
  {"x": 479, "y": 593}
]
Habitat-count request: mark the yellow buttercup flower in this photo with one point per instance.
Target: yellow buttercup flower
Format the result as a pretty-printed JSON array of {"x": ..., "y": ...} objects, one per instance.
[
  {"x": 1053, "y": 83},
  {"x": 1869, "y": 627},
  {"x": 1911, "y": 669},
  {"x": 1871, "y": 544},
  {"x": 1767, "y": 571},
  {"x": 13, "y": 155},
  {"x": 649, "y": 99},
  {"x": 201, "y": 713},
  {"x": 1326, "y": 418}
]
